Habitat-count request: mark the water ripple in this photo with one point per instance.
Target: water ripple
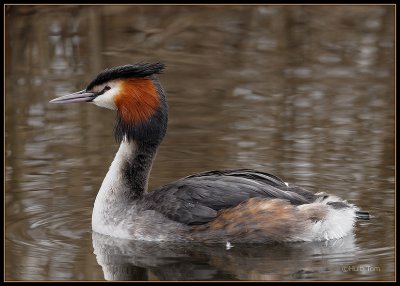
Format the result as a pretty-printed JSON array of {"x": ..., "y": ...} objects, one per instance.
[{"x": 50, "y": 230}]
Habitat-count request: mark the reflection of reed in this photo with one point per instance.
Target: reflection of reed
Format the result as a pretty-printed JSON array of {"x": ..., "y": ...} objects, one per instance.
[{"x": 96, "y": 38}]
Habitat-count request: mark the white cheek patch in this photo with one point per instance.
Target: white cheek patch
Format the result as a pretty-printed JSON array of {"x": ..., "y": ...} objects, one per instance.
[{"x": 106, "y": 100}]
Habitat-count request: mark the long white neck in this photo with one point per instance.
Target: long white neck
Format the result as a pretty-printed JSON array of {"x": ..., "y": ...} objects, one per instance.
[{"x": 125, "y": 182}]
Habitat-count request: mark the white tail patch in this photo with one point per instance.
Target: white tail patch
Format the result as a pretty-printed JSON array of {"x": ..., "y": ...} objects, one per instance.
[{"x": 335, "y": 224}]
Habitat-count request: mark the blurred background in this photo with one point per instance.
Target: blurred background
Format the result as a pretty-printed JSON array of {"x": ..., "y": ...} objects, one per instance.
[{"x": 304, "y": 92}]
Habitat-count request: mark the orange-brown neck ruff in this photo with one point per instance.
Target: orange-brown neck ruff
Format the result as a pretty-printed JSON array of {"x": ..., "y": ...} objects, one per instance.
[{"x": 137, "y": 101}]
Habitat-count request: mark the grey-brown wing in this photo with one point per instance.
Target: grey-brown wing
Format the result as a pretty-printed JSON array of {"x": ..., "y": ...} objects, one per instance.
[{"x": 196, "y": 199}]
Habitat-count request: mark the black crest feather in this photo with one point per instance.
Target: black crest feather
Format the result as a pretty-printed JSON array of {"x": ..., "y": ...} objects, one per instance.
[{"x": 126, "y": 71}]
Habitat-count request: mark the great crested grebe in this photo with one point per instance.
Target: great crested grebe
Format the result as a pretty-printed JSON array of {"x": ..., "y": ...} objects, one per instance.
[{"x": 224, "y": 206}]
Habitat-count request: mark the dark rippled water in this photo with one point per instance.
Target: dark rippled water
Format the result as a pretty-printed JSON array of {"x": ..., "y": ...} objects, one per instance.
[{"x": 303, "y": 92}]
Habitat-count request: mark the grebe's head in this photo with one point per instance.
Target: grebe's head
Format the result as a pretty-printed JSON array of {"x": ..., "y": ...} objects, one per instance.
[{"x": 135, "y": 93}]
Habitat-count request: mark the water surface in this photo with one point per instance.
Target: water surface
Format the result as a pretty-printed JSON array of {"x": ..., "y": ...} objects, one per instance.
[{"x": 303, "y": 92}]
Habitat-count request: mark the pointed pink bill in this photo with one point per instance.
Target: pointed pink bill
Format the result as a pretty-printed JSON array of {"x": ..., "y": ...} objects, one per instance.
[{"x": 80, "y": 96}]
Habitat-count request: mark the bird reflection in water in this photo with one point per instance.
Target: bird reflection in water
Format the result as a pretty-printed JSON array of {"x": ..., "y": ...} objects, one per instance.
[{"x": 124, "y": 260}]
